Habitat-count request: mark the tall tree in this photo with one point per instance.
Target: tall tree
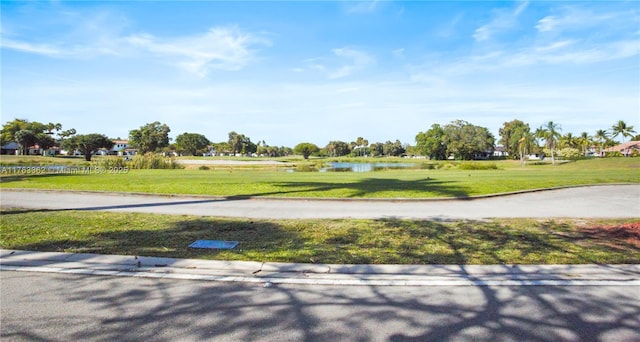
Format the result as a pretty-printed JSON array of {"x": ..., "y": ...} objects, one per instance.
[
  {"x": 568, "y": 141},
  {"x": 25, "y": 138},
  {"x": 525, "y": 146},
  {"x": 393, "y": 149},
  {"x": 511, "y": 135},
  {"x": 87, "y": 144},
  {"x": 337, "y": 148},
  {"x": 150, "y": 137},
  {"x": 239, "y": 143},
  {"x": 376, "y": 149},
  {"x": 551, "y": 133},
  {"x": 67, "y": 133},
  {"x": 359, "y": 146},
  {"x": 466, "y": 141},
  {"x": 45, "y": 141},
  {"x": 53, "y": 126},
  {"x": 9, "y": 129},
  {"x": 306, "y": 149},
  {"x": 601, "y": 136},
  {"x": 431, "y": 143},
  {"x": 585, "y": 141},
  {"x": 621, "y": 128},
  {"x": 192, "y": 143}
]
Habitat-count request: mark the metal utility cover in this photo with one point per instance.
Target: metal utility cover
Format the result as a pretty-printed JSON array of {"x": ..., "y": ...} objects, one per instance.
[{"x": 214, "y": 244}]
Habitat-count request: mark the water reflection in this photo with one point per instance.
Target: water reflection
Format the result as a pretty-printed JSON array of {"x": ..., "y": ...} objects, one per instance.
[{"x": 364, "y": 167}]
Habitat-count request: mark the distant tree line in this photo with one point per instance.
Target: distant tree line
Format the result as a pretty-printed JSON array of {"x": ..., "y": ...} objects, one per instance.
[{"x": 458, "y": 139}]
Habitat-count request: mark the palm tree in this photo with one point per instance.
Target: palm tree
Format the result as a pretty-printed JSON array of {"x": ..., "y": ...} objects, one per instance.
[
  {"x": 585, "y": 140},
  {"x": 601, "y": 135},
  {"x": 524, "y": 145},
  {"x": 568, "y": 140},
  {"x": 551, "y": 133},
  {"x": 622, "y": 128}
]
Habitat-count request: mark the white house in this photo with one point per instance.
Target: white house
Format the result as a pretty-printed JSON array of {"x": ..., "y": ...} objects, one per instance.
[{"x": 119, "y": 146}]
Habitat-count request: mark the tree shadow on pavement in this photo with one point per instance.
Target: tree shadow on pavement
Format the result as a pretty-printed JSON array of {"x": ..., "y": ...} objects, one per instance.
[
  {"x": 128, "y": 309},
  {"x": 369, "y": 186}
]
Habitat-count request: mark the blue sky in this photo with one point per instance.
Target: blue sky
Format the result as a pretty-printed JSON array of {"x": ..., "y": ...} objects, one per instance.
[{"x": 288, "y": 72}]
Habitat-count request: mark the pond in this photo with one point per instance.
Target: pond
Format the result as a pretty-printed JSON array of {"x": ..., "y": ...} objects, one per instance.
[
  {"x": 357, "y": 167},
  {"x": 365, "y": 167}
]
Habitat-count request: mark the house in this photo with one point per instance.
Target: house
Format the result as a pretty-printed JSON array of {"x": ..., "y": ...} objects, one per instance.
[
  {"x": 10, "y": 148},
  {"x": 500, "y": 152},
  {"x": 626, "y": 149},
  {"x": 119, "y": 147}
]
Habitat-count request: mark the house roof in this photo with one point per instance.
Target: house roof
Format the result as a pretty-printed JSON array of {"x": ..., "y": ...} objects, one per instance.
[
  {"x": 629, "y": 145},
  {"x": 11, "y": 146}
]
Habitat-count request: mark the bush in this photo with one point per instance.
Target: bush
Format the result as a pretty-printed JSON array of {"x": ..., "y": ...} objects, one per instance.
[
  {"x": 428, "y": 166},
  {"x": 569, "y": 153},
  {"x": 478, "y": 166},
  {"x": 203, "y": 167},
  {"x": 153, "y": 161},
  {"x": 147, "y": 161},
  {"x": 614, "y": 154},
  {"x": 112, "y": 163}
]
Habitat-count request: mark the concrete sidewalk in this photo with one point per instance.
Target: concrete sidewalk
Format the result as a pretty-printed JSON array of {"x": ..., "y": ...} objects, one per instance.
[{"x": 269, "y": 273}]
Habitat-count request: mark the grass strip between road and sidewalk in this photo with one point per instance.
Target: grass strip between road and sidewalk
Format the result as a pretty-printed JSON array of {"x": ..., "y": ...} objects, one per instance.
[
  {"x": 270, "y": 181},
  {"x": 382, "y": 241}
]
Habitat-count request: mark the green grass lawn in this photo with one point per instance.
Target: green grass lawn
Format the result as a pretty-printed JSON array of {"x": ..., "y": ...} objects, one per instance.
[
  {"x": 330, "y": 241},
  {"x": 385, "y": 241},
  {"x": 446, "y": 179}
]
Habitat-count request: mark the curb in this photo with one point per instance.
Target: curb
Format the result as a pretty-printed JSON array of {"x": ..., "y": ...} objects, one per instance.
[{"x": 319, "y": 274}]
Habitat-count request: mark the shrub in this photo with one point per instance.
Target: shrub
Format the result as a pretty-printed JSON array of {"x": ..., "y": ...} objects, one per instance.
[
  {"x": 614, "y": 154},
  {"x": 111, "y": 162},
  {"x": 147, "y": 161},
  {"x": 203, "y": 167},
  {"x": 478, "y": 166},
  {"x": 153, "y": 161},
  {"x": 569, "y": 153},
  {"x": 428, "y": 166}
]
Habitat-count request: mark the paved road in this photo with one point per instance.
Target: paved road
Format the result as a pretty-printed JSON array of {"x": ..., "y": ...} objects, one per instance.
[
  {"x": 56, "y": 307},
  {"x": 610, "y": 201}
]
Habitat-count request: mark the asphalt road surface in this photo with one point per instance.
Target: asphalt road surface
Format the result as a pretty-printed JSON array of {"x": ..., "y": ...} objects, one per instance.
[
  {"x": 73, "y": 307},
  {"x": 607, "y": 201},
  {"x": 56, "y": 307}
]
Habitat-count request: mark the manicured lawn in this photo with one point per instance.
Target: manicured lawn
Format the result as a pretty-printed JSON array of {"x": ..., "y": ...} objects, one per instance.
[
  {"x": 388, "y": 241},
  {"x": 444, "y": 180}
]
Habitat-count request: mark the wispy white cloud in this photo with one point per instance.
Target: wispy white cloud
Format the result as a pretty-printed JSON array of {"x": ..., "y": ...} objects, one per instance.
[
  {"x": 576, "y": 17},
  {"x": 360, "y": 7},
  {"x": 398, "y": 53},
  {"x": 554, "y": 46},
  {"x": 556, "y": 53},
  {"x": 342, "y": 63},
  {"x": 357, "y": 60},
  {"x": 502, "y": 19},
  {"x": 220, "y": 48},
  {"x": 39, "y": 49},
  {"x": 77, "y": 34}
]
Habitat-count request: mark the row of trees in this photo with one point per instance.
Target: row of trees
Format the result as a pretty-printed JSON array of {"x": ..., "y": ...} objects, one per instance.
[
  {"x": 462, "y": 140},
  {"x": 458, "y": 139},
  {"x": 27, "y": 134},
  {"x": 519, "y": 140},
  {"x": 151, "y": 137}
]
